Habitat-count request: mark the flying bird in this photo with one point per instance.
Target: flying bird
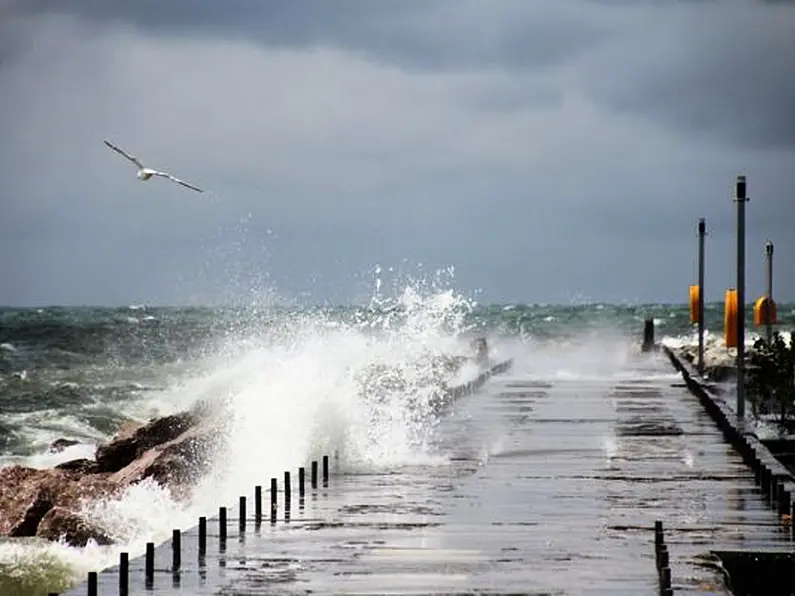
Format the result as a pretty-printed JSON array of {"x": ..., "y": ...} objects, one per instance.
[{"x": 145, "y": 173}]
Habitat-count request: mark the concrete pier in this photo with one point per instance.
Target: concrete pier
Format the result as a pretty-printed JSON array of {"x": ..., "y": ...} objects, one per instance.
[{"x": 543, "y": 484}]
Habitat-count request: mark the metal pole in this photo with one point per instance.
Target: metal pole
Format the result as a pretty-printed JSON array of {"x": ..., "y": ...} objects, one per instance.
[
  {"x": 769, "y": 260},
  {"x": 741, "y": 201},
  {"x": 702, "y": 230}
]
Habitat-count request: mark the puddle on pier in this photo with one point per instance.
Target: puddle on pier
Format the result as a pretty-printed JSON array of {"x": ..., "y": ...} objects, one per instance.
[{"x": 553, "y": 488}]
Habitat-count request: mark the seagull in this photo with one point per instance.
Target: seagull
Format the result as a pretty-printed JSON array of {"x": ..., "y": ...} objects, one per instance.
[{"x": 145, "y": 173}]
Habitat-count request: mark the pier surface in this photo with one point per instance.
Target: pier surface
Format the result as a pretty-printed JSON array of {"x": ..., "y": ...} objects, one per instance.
[{"x": 549, "y": 486}]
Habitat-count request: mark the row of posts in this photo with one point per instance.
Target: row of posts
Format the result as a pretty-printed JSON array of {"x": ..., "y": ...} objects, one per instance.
[
  {"x": 176, "y": 538},
  {"x": 741, "y": 198}
]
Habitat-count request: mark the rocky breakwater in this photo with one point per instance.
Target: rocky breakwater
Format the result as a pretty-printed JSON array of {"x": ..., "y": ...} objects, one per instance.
[
  {"x": 719, "y": 361},
  {"x": 172, "y": 450}
]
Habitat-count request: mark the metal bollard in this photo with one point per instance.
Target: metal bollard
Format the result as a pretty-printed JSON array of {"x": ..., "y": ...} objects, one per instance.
[
  {"x": 287, "y": 490},
  {"x": 314, "y": 474},
  {"x": 648, "y": 335},
  {"x": 92, "y": 583},
  {"x": 665, "y": 578},
  {"x": 301, "y": 474},
  {"x": 124, "y": 574},
  {"x": 663, "y": 554},
  {"x": 202, "y": 535},
  {"x": 325, "y": 470},
  {"x": 176, "y": 550},
  {"x": 149, "y": 563},
  {"x": 241, "y": 518},
  {"x": 274, "y": 488},
  {"x": 258, "y": 505},
  {"x": 222, "y": 524}
]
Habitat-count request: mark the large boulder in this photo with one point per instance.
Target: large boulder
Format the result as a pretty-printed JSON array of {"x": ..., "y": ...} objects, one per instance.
[
  {"x": 36, "y": 491},
  {"x": 64, "y": 524},
  {"x": 173, "y": 450},
  {"x": 174, "y": 464},
  {"x": 131, "y": 444}
]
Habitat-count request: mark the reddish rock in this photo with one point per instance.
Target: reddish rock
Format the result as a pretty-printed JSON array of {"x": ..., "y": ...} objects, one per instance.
[
  {"x": 173, "y": 450},
  {"x": 180, "y": 461},
  {"x": 22, "y": 490},
  {"x": 84, "y": 466},
  {"x": 28, "y": 523},
  {"x": 128, "y": 446},
  {"x": 64, "y": 524},
  {"x": 60, "y": 444},
  {"x": 34, "y": 492}
]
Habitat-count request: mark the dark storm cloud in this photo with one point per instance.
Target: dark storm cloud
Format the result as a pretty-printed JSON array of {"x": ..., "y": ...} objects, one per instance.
[
  {"x": 544, "y": 149},
  {"x": 722, "y": 71},
  {"x": 421, "y": 34}
]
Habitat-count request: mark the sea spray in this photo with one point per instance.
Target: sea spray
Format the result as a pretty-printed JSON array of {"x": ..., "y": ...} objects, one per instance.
[
  {"x": 294, "y": 391},
  {"x": 251, "y": 361}
]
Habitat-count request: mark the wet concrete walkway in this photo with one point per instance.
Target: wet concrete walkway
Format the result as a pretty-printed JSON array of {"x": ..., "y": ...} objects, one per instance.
[{"x": 553, "y": 488}]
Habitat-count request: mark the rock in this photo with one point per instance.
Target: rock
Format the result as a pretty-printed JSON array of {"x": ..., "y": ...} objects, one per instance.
[
  {"x": 60, "y": 444},
  {"x": 173, "y": 450},
  {"x": 27, "y": 484},
  {"x": 63, "y": 524},
  {"x": 124, "y": 449},
  {"x": 175, "y": 463},
  {"x": 84, "y": 466},
  {"x": 37, "y": 491},
  {"x": 718, "y": 361},
  {"x": 28, "y": 523}
]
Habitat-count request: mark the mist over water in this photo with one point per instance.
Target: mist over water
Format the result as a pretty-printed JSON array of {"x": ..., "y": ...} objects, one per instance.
[{"x": 294, "y": 383}]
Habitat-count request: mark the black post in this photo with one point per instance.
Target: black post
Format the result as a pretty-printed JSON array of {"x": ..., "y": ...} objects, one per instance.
[
  {"x": 664, "y": 560},
  {"x": 702, "y": 231},
  {"x": 741, "y": 200},
  {"x": 659, "y": 538},
  {"x": 149, "y": 563},
  {"x": 202, "y": 535},
  {"x": 222, "y": 524},
  {"x": 648, "y": 335},
  {"x": 287, "y": 490},
  {"x": 274, "y": 488},
  {"x": 92, "y": 583},
  {"x": 241, "y": 521},
  {"x": 258, "y": 504},
  {"x": 313, "y": 478},
  {"x": 769, "y": 290},
  {"x": 124, "y": 574},
  {"x": 325, "y": 470},
  {"x": 665, "y": 578},
  {"x": 301, "y": 481},
  {"x": 176, "y": 550}
]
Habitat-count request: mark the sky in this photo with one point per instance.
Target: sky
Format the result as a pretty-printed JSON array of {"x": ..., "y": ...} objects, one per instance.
[{"x": 530, "y": 151}]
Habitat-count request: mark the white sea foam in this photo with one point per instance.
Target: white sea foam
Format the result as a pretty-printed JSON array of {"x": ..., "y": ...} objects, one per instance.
[
  {"x": 295, "y": 392},
  {"x": 715, "y": 340}
]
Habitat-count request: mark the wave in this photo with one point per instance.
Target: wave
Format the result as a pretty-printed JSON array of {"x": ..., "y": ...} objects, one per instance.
[{"x": 297, "y": 384}]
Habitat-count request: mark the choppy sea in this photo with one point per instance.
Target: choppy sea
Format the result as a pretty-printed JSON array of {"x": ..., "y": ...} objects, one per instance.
[{"x": 79, "y": 373}]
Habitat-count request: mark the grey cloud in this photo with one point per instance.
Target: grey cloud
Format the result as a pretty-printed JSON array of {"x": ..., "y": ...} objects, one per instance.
[
  {"x": 416, "y": 34},
  {"x": 718, "y": 72},
  {"x": 511, "y": 174}
]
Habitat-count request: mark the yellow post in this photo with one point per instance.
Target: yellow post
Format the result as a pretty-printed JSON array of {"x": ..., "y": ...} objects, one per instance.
[{"x": 730, "y": 318}]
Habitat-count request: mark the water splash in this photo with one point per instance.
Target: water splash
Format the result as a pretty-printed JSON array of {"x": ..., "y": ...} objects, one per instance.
[{"x": 296, "y": 387}]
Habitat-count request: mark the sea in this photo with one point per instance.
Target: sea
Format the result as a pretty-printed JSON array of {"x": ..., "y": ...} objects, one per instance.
[{"x": 298, "y": 381}]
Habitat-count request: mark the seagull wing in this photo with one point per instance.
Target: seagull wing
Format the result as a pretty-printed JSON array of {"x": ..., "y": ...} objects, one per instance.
[
  {"x": 132, "y": 158},
  {"x": 177, "y": 180}
]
